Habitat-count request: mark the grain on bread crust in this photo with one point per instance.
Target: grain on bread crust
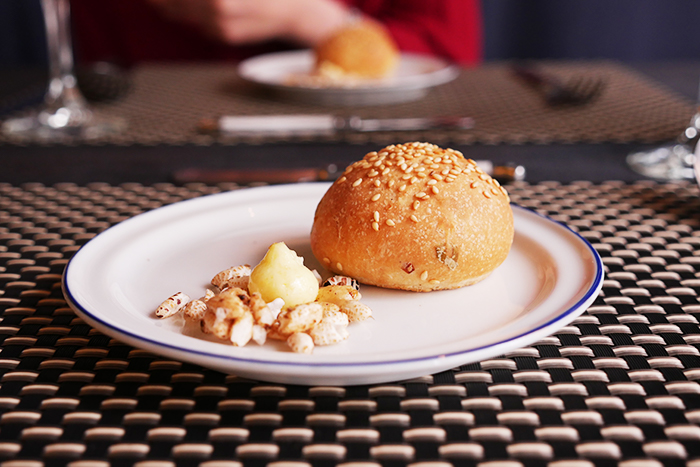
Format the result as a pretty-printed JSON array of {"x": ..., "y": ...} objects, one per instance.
[{"x": 414, "y": 217}]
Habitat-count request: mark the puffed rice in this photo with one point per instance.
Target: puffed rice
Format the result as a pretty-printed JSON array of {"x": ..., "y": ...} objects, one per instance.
[
  {"x": 237, "y": 276},
  {"x": 356, "y": 311},
  {"x": 300, "y": 342},
  {"x": 342, "y": 280},
  {"x": 337, "y": 293},
  {"x": 326, "y": 333},
  {"x": 172, "y": 305}
]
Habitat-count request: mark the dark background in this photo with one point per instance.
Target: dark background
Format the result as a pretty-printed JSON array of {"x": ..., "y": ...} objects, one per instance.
[
  {"x": 656, "y": 37},
  {"x": 627, "y": 30}
]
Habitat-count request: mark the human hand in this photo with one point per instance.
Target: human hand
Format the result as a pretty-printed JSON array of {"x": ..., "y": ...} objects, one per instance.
[{"x": 247, "y": 21}]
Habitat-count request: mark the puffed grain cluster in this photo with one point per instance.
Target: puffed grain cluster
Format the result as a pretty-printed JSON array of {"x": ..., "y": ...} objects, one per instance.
[{"x": 414, "y": 216}]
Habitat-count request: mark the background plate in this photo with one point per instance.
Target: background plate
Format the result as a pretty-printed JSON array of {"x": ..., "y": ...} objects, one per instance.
[
  {"x": 117, "y": 280},
  {"x": 415, "y": 75}
]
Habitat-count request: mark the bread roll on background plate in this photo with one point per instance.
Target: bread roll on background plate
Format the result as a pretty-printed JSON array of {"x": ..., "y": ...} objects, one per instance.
[
  {"x": 363, "y": 49},
  {"x": 413, "y": 217}
]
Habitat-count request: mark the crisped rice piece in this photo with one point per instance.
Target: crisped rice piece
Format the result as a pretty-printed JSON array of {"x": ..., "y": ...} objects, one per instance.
[
  {"x": 333, "y": 315},
  {"x": 237, "y": 276},
  {"x": 326, "y": 333},
  {"x": 242, "y": 330},
  {"x": 300, "y": 342},
  {"x": 356, "y": 311},
  {"x": 223, "y": 310},
  {"x": 172, "y": 305},
  {"x": 300, "y": 318},
  {"x": 337, "y": 293},
  {"x": 194, "y": 310}
]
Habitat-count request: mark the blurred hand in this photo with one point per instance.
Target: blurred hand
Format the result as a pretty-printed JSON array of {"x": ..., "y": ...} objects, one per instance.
[{"x": 247, "y": 21}]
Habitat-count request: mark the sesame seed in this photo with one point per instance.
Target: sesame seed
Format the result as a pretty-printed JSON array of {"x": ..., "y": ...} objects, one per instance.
[
  {"x": 357, "y": 182},
  {"x": 326, "y": 260},
  {"x": 375, "y": 226},
  {"x": 406, "y": 176},
  {"x": 483, "y": 176},
  {"x": 339, "y": 266},
  {"x": 434, "y": 166},
  {"x": 438, "y": 159},
  {"x": 377, "y": 183},
  {"x": 403, "y": 167},
  {"x": 420, "y": 169},
  {"x": 376, "y": 197},
  {"x": 449, "y": 179},
  {"x": 421, "y": 195},
  {"x": 348, "y": 170},
  {"x": 434, "y": 281},
  {"x": 375, "y": 216},
  {"x": 487, "y": 194},
  {"x": 424, "y": 275},
  {"x": 342, "y": 179},
  {"x": 379, "y": 162},
  {"x": 474, "y": 184},
  {"x": 390, "y": 223},
  {"x": 445, "y": 171},
  {"x": 503, "y": 190},
  {"x": 391, "y": 183},
  {"x": 413, "y": 218},
  {"x": 421, "y": 175},
  {"x": 415, "y": 205},
  {"x": 495, "y": 191},
  {"x": 385, "y": 171},
  {"x": 434, "y": 189},
  {"x": 437, "y": 177},
  {"x": 413, "y": 180},
  {"x": 495, "y": 182},
  {"x": 402, "y": 187},
  {"x": 372, "y": 173},
  {"x": 432, "y": 182}
]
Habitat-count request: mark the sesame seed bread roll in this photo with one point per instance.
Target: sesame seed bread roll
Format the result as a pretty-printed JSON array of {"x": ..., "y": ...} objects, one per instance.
[
  {"x": 413, "y": 217},
  {"x": 362, "y": 49}
]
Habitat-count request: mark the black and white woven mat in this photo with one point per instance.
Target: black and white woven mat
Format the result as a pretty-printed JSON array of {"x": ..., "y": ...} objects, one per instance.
[{"x": 618, "y": 386}]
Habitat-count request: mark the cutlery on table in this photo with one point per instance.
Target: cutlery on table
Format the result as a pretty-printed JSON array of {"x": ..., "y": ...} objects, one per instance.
[
  {"x": 325, "y": 124},
  {"x": 503, "y": 173},
  {"x": 575, "y": 91}
]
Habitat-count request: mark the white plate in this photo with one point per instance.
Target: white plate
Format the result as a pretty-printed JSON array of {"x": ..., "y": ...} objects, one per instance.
[
  {"x": 414, "y": 76},
  {"x": 117, "y": 280}
]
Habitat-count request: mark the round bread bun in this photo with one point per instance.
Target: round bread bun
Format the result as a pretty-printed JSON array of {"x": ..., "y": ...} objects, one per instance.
[
  {"x": 361, "y": 49},
  {"x": 413, "y": 217}
]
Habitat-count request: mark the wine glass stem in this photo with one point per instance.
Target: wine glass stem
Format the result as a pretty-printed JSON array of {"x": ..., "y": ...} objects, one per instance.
[{"x": 62, "y": 91}]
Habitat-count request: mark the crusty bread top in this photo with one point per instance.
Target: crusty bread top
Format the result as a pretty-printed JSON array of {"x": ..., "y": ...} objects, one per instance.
[
  {"x": 362, "y": 49},
  {"x": 414, "y": 217}
]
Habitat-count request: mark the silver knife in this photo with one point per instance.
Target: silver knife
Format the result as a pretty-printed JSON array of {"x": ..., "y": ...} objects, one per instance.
[{"x": 324, "y": 124}]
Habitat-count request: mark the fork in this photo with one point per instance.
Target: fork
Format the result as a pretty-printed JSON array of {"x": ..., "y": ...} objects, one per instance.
[{"x": 576, "y": 91}]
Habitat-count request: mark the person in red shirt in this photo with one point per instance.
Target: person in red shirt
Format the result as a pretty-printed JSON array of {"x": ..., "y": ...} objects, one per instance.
[{"x": 131, "y": 31}]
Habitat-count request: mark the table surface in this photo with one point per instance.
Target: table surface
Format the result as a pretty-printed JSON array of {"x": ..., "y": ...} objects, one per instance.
[
  {"x": 617, "y": 386},
  {"x": 154, "y": 163}
]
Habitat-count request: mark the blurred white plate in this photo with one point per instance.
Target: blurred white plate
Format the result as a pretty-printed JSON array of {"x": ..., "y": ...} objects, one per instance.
[
  {"x": 116, "y": 281},
  {"x": 414, "y": 77}
]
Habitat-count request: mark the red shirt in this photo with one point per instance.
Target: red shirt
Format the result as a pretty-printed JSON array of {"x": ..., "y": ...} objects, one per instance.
[{"x": 132, "y": 31}]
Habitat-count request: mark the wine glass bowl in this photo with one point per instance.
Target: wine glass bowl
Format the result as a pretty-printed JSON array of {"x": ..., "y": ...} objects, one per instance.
[{"x": 65, "y": 113}]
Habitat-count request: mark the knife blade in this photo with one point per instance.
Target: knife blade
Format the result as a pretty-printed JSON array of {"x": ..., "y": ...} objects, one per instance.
[
  {"x": 503, "y": 173},
  {"x": 326, "y": 124}
]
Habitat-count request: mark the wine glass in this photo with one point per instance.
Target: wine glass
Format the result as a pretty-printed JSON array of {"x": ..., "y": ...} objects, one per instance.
[
  {"x": 65, "y": 113},
  {"x": 673, "y": 161}
]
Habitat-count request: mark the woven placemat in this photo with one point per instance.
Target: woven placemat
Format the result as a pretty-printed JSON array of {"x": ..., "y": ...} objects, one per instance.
[
  {"x": 167, "y": 103},
  {"x": 619, "y": 384}
]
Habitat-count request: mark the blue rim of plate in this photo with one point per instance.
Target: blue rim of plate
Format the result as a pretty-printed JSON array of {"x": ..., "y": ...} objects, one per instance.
[{"x": 571, "y": 312}]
